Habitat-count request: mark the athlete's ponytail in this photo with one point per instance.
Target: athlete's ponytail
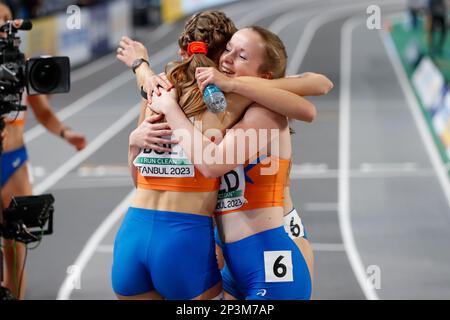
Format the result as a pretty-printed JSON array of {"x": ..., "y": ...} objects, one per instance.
[{"x": 214, "y": 29}]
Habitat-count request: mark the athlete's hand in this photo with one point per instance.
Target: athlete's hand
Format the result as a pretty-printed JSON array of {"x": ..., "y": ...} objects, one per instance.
[
  {"x": 164, "y": 102},
  {"x": 154, "y": 83},
  {"x": 148, "y": 135},
  {"x": 76, "y": 139},
  {"x": 130, "y": 50},
  {"x": 208, "y": 75}
]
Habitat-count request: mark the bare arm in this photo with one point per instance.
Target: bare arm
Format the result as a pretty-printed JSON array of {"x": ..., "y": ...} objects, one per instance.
[
  {"x": 306, "y": 84},
  {"x": 130, "y": 50},
  {"x": 45, "y": 115},
  {"x": 196, "y": 145},
  {"x": 278, "y": 100}
]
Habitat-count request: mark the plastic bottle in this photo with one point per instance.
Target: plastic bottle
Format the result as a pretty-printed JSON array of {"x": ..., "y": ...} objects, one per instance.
[{"x": 214, "y": 99}]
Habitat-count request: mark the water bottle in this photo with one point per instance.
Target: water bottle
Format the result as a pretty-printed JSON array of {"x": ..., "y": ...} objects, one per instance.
[{"x": 214, "y": 99}]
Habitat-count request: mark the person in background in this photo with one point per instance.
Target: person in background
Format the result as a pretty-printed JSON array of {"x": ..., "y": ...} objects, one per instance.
[
  {"x": 15, "y": 180},
  {"x": 437, "y": 11},
  {"x": 414, "y": 8}
]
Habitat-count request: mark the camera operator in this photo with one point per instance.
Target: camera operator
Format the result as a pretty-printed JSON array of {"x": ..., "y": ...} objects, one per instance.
[{"x": 15, "y": 179}]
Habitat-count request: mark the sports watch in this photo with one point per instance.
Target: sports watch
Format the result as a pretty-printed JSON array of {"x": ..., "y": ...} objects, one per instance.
[{"x": 137, "y": 63}]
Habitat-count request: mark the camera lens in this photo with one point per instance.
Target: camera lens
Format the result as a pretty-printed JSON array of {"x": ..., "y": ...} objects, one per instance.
[{"x": 44, "y": 75}]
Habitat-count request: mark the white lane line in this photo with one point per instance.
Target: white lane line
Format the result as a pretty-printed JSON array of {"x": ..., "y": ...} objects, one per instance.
[
  {"x": 93, "y": 67},
  {"x": 92, "y": 147},
  {"x": 91, "y": 246},
  {"x": 274, "y": 8},
  {"x": 366, "y": 170},
  {"x": 286, "y": 19},
  {"x": 160, "y": 32},
  {"x": 425, "y": 134},
  {"x": 109, "y": 59},
  {"x": 405, "y": 173},
  {"x": 95, "y": 240},
  {"x": 98, "y": 93},
  {"x": 308, "y": 167},
  {"x": 320, "y": 207},
  {"x": 81, "y": 103},
  {"x": 388, "y": 167},
  {"x": 314, "y": 24},
  {"x": 105, "y": 248},
  {"x": 328, "y": 247},
  {"x": 237, "y": 8},
  {"x": 344, "y": 160},
  {"x": 312, "y": 171},
  {"x": 103, "y": 171}
]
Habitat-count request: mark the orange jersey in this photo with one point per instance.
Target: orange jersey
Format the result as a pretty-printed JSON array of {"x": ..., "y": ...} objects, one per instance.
[
  {"x": 187, "y": 184},
  {"x": 171, "y": 171},
  {"x": 248, "y": 187}
]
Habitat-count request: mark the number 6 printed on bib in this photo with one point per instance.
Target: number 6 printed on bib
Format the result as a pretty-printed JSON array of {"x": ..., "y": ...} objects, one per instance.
[{"x": 278, "y": 266}]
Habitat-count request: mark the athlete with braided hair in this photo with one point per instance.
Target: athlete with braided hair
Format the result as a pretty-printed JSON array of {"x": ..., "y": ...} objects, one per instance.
[{"x": 169, "y": 223}]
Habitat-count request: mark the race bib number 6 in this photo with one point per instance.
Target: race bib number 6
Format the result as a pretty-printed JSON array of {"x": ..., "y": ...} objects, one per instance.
[{"x": 278, "y": 266}]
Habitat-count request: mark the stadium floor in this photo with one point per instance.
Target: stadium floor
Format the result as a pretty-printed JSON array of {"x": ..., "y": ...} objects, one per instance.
[{"x": 365, "y": 178}]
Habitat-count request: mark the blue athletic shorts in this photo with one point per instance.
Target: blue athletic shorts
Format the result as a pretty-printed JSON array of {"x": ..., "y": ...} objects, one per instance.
[
  {"x": 268, "y": 266},
  {"x": 12, "y": 161},
  {"x": 168, "y": 252},
  {"x": 293, "y": 226}
]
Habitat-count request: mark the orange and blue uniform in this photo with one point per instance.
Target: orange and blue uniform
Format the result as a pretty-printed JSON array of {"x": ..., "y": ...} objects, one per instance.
[
  {"x": 168, "y": 252},
  {"x": 268, "y": 264},
  {"x": 12, "y": 160}
]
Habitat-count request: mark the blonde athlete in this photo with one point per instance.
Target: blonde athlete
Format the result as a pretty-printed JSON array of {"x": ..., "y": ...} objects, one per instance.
[
  {"x": 169, "y": 223},
  {"x": 148, "y": 134},
  {"x": 260, "y": 255}
]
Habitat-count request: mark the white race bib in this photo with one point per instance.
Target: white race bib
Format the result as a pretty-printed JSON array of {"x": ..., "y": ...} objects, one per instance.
[
  {"x": 293, "y": 225},
  {"x": 278, "y": 266},
  {"x": 231, "y": 191},
  {"x": 173, "y": 164}
]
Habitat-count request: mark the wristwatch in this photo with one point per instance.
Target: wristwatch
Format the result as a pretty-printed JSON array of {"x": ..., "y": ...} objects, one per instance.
[{"x": 137, "y": 63}]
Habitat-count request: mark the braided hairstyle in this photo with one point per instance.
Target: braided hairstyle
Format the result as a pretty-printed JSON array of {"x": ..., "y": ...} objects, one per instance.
[{"x": 215, "y": 29}]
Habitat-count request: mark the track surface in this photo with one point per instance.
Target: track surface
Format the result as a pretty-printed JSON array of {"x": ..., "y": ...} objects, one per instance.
[{"x": 364, "y": 179}]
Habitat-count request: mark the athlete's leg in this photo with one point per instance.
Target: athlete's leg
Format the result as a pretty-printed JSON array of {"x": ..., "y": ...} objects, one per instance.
[
  {"x": 15, "y": 278},
  {"x": 269, "y": 266},
  {"x": 211, "y": 293},
  {"x": 306, "y": 249},
  {"x": 294, "y": 227},
  {"x": 227, "y": 296},
  {"x": 130, "y": 274},
  {"x": 219, "y": 256},
  {"x": 182, "y": 257}
]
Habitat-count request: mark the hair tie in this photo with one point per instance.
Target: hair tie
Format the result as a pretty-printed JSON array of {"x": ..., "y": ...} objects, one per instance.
[{"x": 197, "y": 47}]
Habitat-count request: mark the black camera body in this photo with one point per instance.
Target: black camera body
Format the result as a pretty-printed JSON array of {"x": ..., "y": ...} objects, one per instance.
[{"x": 43, "y": 75}]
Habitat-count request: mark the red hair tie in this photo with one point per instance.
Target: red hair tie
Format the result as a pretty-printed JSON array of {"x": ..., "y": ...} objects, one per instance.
[{"x": 197, "y": 47}]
